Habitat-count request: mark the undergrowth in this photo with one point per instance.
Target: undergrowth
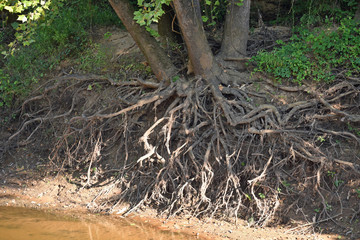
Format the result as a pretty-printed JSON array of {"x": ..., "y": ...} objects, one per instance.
[
  {"x": 62, "y": 33},
  {"x": 319, "y": 54}
]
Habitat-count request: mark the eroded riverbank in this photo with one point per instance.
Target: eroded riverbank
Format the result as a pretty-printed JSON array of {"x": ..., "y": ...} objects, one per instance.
[{"x": 57, "y": 196}]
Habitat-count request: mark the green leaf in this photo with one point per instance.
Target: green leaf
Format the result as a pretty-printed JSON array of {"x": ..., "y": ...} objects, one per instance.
[
  {"x": 15, "y": 25},
  {"x": 10, "y": 9},
  {"x": 22, "y": 18}
]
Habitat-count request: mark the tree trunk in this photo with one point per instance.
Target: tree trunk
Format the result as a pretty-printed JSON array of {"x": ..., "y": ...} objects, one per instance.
[
  {"x": 194, "y": 36},
  {"x": 357, "y": 13},
  {"x": 168, "y": 28},
  {"x": 159, "y": 62},
  {"x": 236, "y": 31}
]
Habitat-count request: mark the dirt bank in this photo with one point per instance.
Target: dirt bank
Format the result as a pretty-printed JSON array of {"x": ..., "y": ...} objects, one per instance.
[{"x": 29, "y": 188}]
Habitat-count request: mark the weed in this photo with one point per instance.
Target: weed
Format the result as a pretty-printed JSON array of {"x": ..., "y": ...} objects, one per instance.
[
  {"x": 353, "y": 129},
  {"x": 93, "y": 59},
  {"x": 262, "y": 196},
  {"x": 257, "y": 87},
  {"x": 320, "y": 139},
  {"x": 248, "y": 196},
  {"x": 175, "y": 78},
  {"x": 337, "y": 182},
  {"x": 331, "y": 174},
  {"x": 107, "y": 35},
  {"x": 286, "y": 184},
  {"x": 328, "y": 207},
  {"x": 358, "y": 192}
]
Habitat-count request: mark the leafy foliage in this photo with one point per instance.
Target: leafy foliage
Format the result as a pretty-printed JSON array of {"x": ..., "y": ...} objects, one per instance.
[
  {"x": 313, "y": 13},
  {"x": 214, "y": 11},
  {"x": 315, "y": 55},
  {"x": 149, "y": 11},
  {"x": 60, "y": 33},
  {"x": 28, "y": 13}
]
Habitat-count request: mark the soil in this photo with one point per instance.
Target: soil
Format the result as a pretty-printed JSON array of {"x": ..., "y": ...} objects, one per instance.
[
  {"x": 31, "y": 189},
  {"x": 27, "y": 178}
]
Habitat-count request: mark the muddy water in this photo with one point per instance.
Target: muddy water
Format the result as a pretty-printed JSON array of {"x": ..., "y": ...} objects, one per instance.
[{"x": 29, "y": 224}]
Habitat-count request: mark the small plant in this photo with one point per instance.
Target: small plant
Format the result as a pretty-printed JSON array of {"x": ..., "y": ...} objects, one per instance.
[
  {"x": 320, "y": 139},
  {"x": 175, "y": 78},
  {"x": 358, "y": 192},
  {"x": 331, "y": 174},
  {"x": 328, "y": 207},
  {"x": 337, "y": 182},
  {"x": 107, "y": 35},
  {"x": 353, "y": 129},
  {"x": 286, "y": 184},
  {"x": 257, "y": 87},
  {"x": 262, "y": 196}
]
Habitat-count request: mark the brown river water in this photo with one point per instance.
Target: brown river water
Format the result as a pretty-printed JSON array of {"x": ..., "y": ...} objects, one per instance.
[{"x": 30, "y": 224}]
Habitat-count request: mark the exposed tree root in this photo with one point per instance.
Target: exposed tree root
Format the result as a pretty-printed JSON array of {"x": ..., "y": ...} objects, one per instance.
[{"x": 196, "y": 147}]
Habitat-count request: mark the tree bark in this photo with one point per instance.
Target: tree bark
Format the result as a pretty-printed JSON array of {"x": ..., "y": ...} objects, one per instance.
[
  {"x": 159, "y": 62},
  {"x": 236, "y": 31},
  {"x": 357, "y": 13},
  {"x": 190, "y": 22},
  {"x": 167, "y": 26}
]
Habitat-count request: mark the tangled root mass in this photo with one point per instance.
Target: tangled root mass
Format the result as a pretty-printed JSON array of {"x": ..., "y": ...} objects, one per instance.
[{"x": 197, "y": 147}]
